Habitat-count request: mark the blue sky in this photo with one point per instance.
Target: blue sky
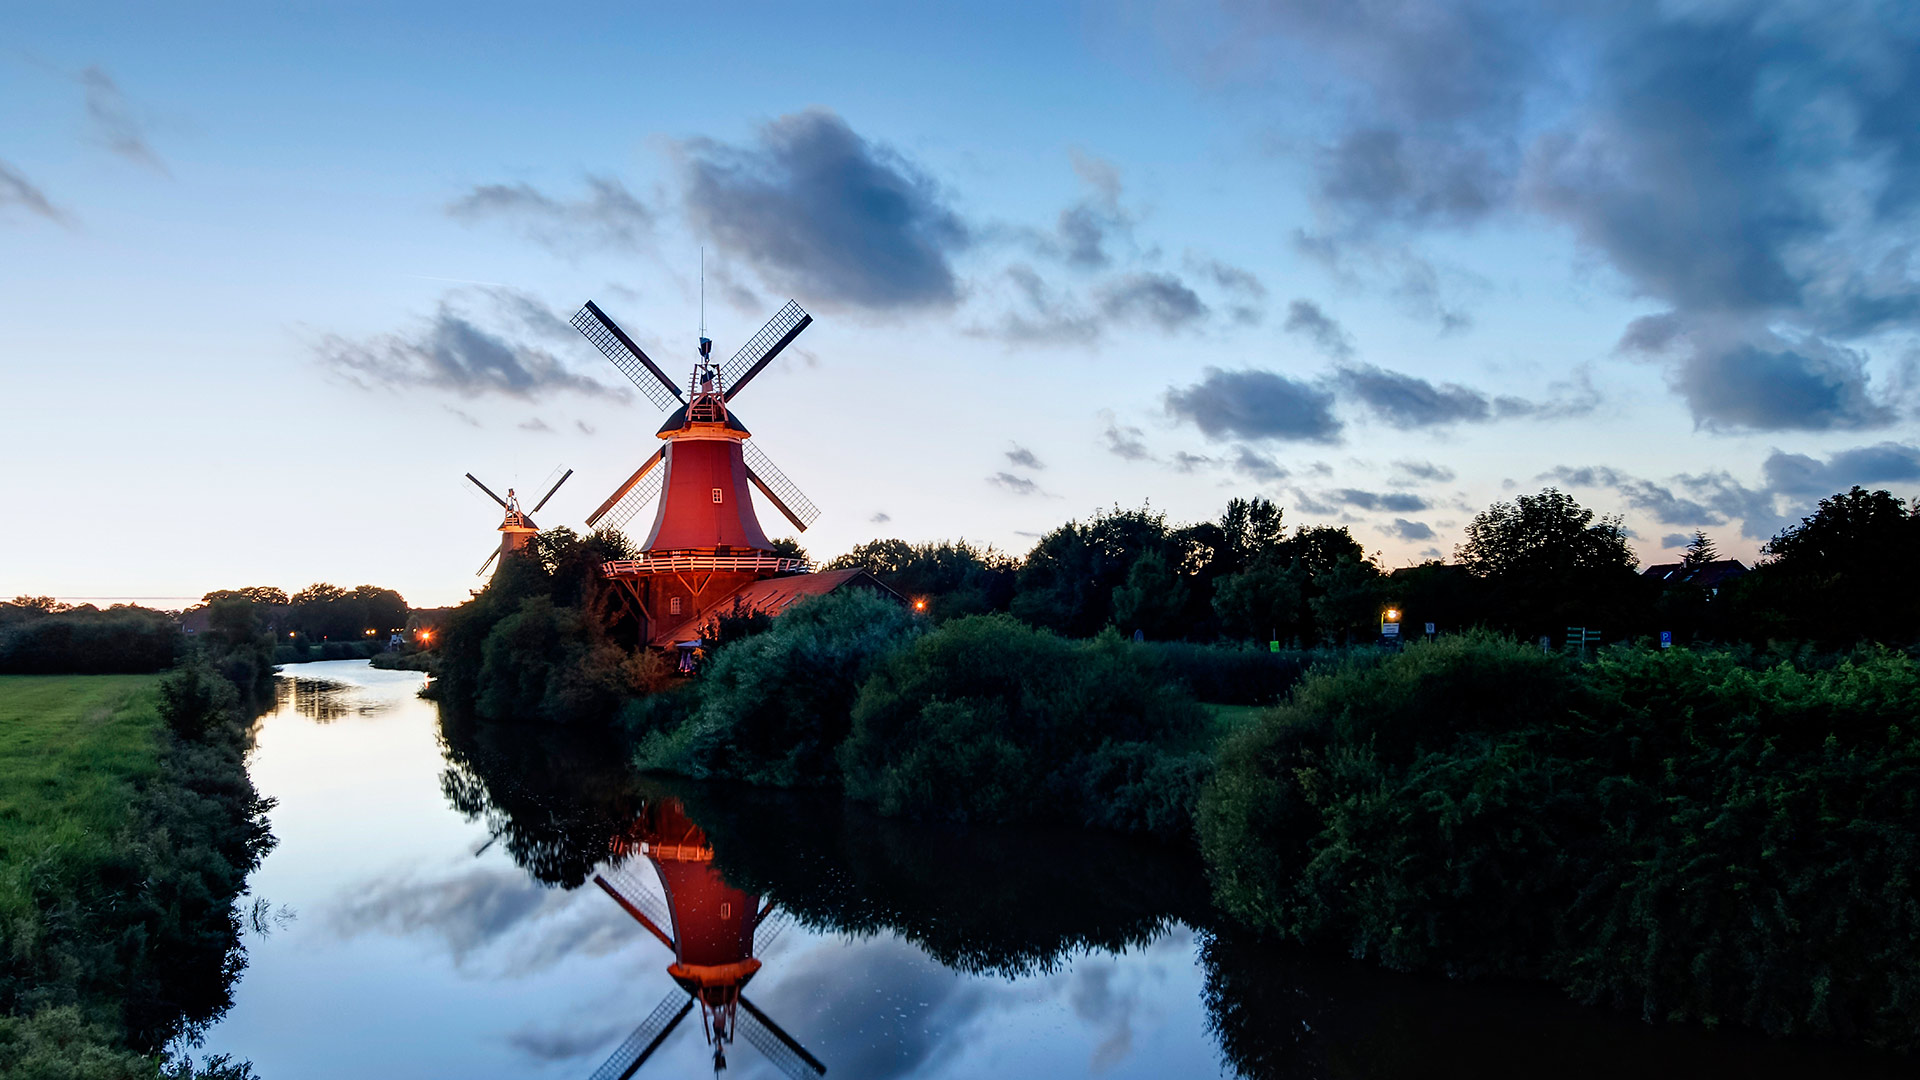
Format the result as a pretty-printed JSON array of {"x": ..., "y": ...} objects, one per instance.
[{"x": 271, "y": 281}]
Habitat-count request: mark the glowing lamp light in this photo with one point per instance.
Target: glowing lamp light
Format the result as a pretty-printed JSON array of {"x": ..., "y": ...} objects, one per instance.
[
  {"x": 1393, "y": 614},
  {"x": 919, "y": 605}
]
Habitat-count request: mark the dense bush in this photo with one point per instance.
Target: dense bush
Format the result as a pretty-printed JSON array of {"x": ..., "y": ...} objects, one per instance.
[
  {"x": 772, "y": 708},
  {"x": 1230, "y": 674},
  {"x": 88, "y": 641},
  {"x": 1681, "y": 833},
  {"x": 988, "y": 719},
  {"x": 542, "y": 663}
]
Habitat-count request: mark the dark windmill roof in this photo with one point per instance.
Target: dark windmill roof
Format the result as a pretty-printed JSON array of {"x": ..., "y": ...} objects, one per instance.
[{"x": 1710, "y": 576}]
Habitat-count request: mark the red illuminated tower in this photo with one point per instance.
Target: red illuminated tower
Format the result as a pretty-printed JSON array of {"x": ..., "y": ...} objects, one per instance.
[
  {"x": 706, "y": 543},
  {"x": 711, "y": 928}
]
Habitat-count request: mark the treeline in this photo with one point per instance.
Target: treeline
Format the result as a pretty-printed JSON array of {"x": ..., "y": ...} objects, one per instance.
[
  {"x": 1532, "y": 567},
  {"x": 40, "y": 637},
  {"x": 322, "y": 612}
]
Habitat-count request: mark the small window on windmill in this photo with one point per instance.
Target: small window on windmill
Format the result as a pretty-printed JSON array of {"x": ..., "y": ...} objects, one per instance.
[
  {"x": 673, "y": 606},
  {"x": 726, "y": 910},
  {"x": 716, "y": 494}
]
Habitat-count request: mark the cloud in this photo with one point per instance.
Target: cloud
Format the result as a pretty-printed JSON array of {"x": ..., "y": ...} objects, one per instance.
[
  {"x": 1411, "y": 472},
  {"x": 1124, "y": 441},
  {"x": 606, "y": 216},
  {"x": 17, "y": 190},
  {"x": 464, "y": 417},
  {"x": 585, "y": 428},
  {"x": 1186, "y": 462},
  {"x": 1018, "y": 485},
  {"x": 453, "y": 352},
  {"x": 1159, "y": 299},
  {"x": 821, "y": 211},
  {"x": 1869, "y": 466},
  {"x": 1304, "y": 317},
  {"x": 576, "y": 1037},
  {"x": 1087, "y": 229},
  {"x": 1396, "y": 501},
  {"x": 535, "y": 424},
  {"x": 881, "y": 518},
  {"x": 1410, "y": 401},
  {"x": 1402, "y": 529},
  {"x": 1755, "y": 169},
  {"x": 115, "y": 122},
  {"x": 1253, "y": 404},
  {"x": 1255, "y": 465},
  {"x": 1024, "y": 458},
  {"x": 1675, "y": 540},
  {"x": 1245, "y": 292}
]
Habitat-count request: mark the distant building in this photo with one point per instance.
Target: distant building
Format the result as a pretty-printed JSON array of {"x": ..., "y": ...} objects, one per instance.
[{"x": 1708, "y": 576}]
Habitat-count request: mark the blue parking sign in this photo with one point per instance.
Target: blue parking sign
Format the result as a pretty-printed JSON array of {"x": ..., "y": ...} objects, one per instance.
[{"x": 1666, "y": 639}]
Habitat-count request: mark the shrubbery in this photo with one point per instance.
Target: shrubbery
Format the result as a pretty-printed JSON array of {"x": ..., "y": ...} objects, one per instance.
[
  {"x": 1680, "y": 833},
  {"x": 87, "y": 641},
  {"x": 988, "y": 719},
  {"x": 773, "y": 707}
]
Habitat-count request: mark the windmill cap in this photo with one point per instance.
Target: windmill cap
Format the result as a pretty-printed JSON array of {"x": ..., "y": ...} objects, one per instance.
[{"x": 679, "y": 420}]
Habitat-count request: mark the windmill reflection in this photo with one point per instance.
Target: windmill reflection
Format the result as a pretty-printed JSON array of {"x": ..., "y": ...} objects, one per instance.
[{"x": 713, "y": 931}]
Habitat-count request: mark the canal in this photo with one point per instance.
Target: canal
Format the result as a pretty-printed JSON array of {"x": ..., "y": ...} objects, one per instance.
[{"x": 453, "y": 899}]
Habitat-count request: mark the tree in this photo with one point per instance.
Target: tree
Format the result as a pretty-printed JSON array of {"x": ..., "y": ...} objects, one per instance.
[
  {"x": 1068, "y": 579},
  {"x": 1849, "y": 571},
  {"x": 1264, "y": 599},
  {"x": 1550, "y": 564},
  {"x": 1153, "y": 600},
  {"x": 1350, "y": 600},
  {"x": 954, "y": 577},
  {"x": 1699, "y": 553}
]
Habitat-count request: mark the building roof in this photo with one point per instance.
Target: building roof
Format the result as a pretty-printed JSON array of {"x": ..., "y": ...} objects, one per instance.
[
  {"x": 1709, "y": 576},
  {"x": 773, "y": 596}
]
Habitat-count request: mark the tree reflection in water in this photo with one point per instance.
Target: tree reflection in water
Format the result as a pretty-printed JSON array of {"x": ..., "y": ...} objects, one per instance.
[{"x": 1012, "y": 902}]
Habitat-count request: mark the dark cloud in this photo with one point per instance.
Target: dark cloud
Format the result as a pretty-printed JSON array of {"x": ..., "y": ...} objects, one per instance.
[
  {"x": 578, "y": 1037},
  {"x": 1868, "y": 466},
  {"x": 881, "y": 518},
  {"x": 1399, "y": 502},
  {"x": 1410, "y": 401},
  {"x": 1090, "y": 227},
  {"x": 1402, "y": 529},
  {"x": 1124, "y": 441},
  {"x": 1753, "y": 168},
  {"x": 822, "y": 212},
  {"x": 1713, "y": 498},
  {"x": 1159, "y": 299},
  {"x": 1424, "y": 472},
  {"x": 1186, "y": 462},
  {"x": 1676, "y": 540},
  {"x": 115, "y": 121},
  {"x": 1255, "y": 465},
  {"x": 1815, "y": 386},
  {"x": 606, "y": 216},
  {"x": 500, "y": 915},
  {"x": 1304, "y": 317},
  {"x": 1018, "y": 485},
  {"x": 1043, "y": 315},
  {"x": 454, "y": 352},
  {"x": 17, "y": 190},
  {"x": 1024, "y": 458},
  {"x": 535, "y": 424},
  {"x": 1254, "y": 404},
  {"x": 1245, "y": 294}
]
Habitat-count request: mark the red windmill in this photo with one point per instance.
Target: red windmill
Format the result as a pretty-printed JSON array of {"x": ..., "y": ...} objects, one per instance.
[
  {"x": 711, "y": 927},
  {"x": 706, "y": 544},
  {"x": 518, "y": 529}
]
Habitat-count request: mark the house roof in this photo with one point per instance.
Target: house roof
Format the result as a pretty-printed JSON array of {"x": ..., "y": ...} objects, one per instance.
[
  {"x": 773, "y": 596},
  {"x": 1712, "y": 575}
]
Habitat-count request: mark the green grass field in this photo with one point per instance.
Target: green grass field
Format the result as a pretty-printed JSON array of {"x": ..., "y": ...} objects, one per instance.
[{"x": 72, "y": 748}]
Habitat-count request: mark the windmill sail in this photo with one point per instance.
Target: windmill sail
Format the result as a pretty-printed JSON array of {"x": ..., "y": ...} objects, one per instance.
[
  {"x": 483, "y": 566},
  {"x": 626, "y": 355},
  {"x": 781, "y": 1049},
  {"x": 550, "y": 491},
  {"x": 634, "y": 1051},
  {"x": 632, "y": 497},
  {"x": 762, "y": 347},
  {"x": 633, "y": 887},
  {"x": 488, "y": 490},
  {"x": 780, "y": 491}
]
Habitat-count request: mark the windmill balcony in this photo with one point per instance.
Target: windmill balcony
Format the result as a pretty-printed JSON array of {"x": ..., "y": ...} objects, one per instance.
[{"x": 694, "y": 561}]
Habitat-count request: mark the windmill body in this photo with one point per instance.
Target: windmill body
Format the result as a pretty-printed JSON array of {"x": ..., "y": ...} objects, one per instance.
[
  {"x": 517, "y": 529},
  {"x": 706, "y": 545}
]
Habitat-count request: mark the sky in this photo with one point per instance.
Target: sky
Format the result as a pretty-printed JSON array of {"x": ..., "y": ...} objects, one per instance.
[{"x": 272, "y": 281}]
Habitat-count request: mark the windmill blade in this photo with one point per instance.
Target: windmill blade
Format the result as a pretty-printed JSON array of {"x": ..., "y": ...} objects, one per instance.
[
  {"x": 768, "y": 927},
  {"x": 550, "y": 491},
  {"x": 635, "y": 906},
  {"x": 780, "y": 1047},
  {"x": 762, "y": 347},
  {"x": 631, "y": 879},
  {"x": 783, "y": 493},
  {"x": 489, "y": 491},
  {"x": 629, "y": 497},
  {"x": 626, "y": 355},
  {"x": 483, "y": 566},
  {"x": 634, "y": 1051}
]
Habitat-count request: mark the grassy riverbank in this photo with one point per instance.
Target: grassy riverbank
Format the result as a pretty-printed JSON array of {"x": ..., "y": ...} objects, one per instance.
[{"x": 124, "y": 840}]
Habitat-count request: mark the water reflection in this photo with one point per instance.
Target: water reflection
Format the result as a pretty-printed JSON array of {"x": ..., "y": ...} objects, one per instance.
[
  {"x": 324, "y": 701},
  {"x": 711, "y": 928}
]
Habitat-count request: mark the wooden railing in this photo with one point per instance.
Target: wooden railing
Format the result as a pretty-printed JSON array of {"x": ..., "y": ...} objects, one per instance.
[{"x": 692, "y": 562}]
